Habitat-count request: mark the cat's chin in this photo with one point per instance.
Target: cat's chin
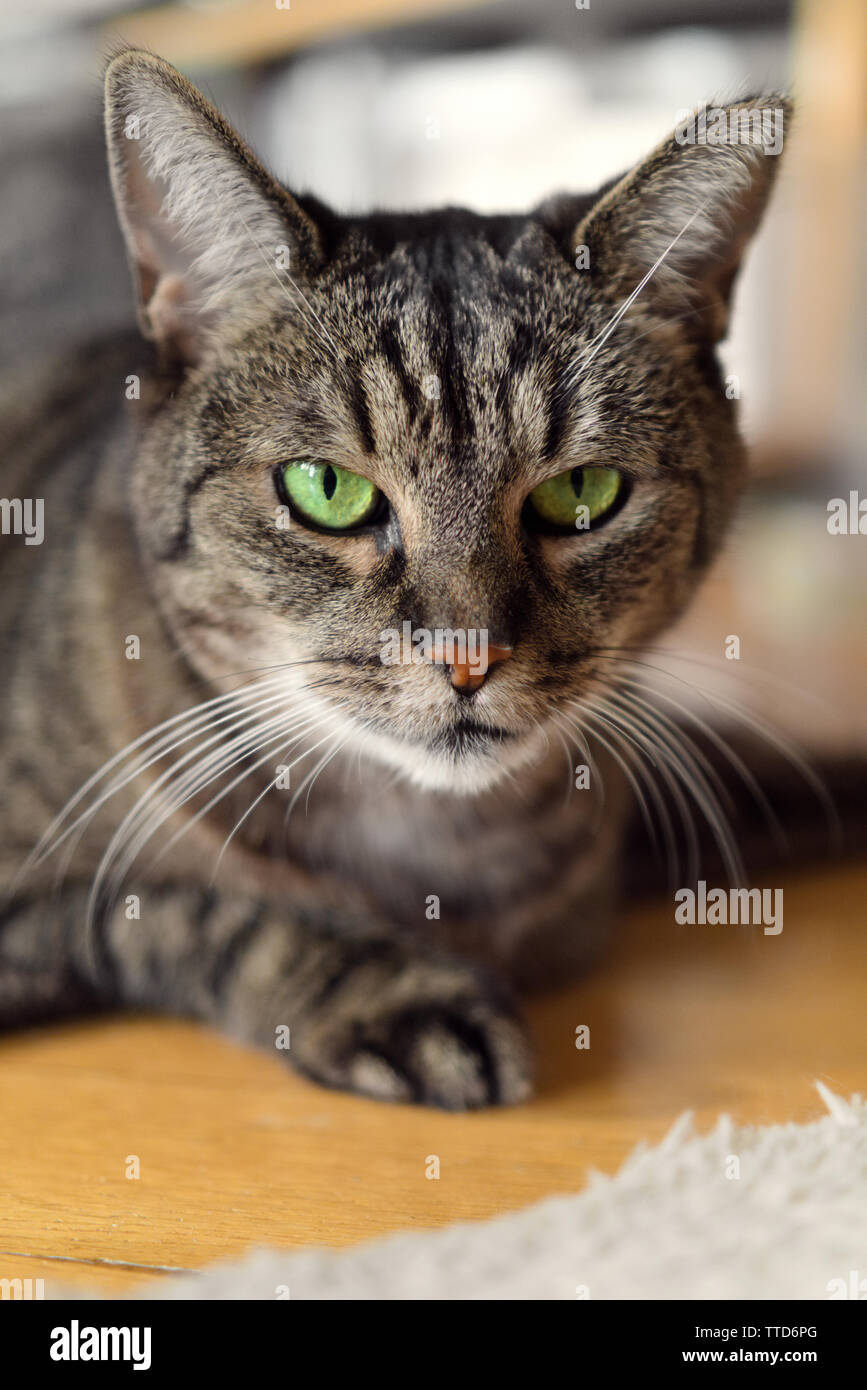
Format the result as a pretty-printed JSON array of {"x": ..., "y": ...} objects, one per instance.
[{"x": 462, "y": 772}]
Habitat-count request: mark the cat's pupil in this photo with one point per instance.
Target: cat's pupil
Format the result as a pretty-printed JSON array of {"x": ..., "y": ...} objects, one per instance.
[
  {"x": 577, "y": 481},
  {"x": 329, "y": 482}
]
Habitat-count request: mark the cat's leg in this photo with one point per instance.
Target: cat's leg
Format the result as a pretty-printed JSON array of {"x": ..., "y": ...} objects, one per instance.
[
  {"x": 363, "y": 1011},
  {"x": 39, "y": 975}
]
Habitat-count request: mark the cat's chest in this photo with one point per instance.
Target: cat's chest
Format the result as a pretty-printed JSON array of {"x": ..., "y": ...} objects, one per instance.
[{"x": 421, "y": 853}]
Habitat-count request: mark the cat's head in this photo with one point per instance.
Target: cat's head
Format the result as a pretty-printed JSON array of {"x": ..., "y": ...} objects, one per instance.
[{"x": 381, "y": 437}]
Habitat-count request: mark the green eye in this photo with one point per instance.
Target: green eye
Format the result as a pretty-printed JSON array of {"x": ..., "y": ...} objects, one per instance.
[
  {"x": 577, "y": 497},
  {"x": 329, "y": 495}
]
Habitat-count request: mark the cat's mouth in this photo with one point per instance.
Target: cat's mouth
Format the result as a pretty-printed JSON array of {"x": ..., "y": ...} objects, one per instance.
[
  {"x": 464, "y": 756},
  {"x": 465, "y": 736}
]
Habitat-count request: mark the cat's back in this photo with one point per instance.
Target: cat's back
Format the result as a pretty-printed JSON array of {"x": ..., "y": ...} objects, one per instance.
[
  {"x": 56, "y": 409},
  {"x": 63, "y": 426}
]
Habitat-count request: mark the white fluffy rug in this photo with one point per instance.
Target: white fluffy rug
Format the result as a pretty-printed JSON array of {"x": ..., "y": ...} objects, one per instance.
[{"x": 676, "y": 1222}]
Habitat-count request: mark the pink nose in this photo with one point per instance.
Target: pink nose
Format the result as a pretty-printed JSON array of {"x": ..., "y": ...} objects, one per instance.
[{"x": 470, "y": 677}]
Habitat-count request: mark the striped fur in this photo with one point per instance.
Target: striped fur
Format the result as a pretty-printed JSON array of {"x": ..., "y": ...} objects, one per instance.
[{"x": 160, "y": 525}]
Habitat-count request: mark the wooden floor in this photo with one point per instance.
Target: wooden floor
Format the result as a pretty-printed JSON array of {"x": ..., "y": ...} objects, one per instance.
[{"x": 235, "y": 1152}]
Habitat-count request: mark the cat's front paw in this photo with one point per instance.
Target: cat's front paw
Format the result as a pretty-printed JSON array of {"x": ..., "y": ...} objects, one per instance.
[{"x": 430, "y": 1033}]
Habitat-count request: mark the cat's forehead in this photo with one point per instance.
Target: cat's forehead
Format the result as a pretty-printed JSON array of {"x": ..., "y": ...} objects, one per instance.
[
  {"x": 427, "y": 239},
  {"x": 449, "y": 344},
  {"x": 451, "y": 270},
  {"x": 448, "y": 372},
  {"x": 479, "y": 360}
]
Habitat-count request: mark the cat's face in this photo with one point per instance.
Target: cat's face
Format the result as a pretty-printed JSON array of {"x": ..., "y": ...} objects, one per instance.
[{"x": 429, "y": 425}]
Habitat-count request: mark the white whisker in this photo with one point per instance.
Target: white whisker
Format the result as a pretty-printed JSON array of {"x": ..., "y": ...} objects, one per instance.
[
  {"x": 734, "y": 761},
  {"x": 603, "y": 337},
  {"x": 683, "y": 765},
  {"x": 593, "y": 717},
  {"x": 270, "y": 786},
  {"x": 196, "y": 716},
  {"x": 185, "y": 788}
]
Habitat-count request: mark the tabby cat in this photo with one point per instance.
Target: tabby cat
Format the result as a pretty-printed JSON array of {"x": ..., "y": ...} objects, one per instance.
[{"x": 337, "y": 429}]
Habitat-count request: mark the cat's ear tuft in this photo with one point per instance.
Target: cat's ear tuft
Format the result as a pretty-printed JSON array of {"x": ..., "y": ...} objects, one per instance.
[
  {"x": 683, "y": 217},
  {"x": 209, "y": 233}
]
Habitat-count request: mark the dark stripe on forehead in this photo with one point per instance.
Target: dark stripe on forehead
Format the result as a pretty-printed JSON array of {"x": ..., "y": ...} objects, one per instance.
[
  {"x": 358, "y": 401},
  {"x": 558, "y": 414},
  {"x": 519, "y": 354},
  {"x": 389, "y": 346},
  {"x": 453, "y": 395}
]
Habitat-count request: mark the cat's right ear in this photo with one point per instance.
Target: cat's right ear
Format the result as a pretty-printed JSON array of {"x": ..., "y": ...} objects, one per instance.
[{"x": 208, "y": 232}]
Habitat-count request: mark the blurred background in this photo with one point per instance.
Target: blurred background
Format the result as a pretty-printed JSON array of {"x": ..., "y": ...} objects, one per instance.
[{"x": 411, "y": 102}]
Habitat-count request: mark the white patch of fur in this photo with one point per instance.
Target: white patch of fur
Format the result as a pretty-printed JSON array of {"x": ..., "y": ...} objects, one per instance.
[{"x": 463, "y": 775}]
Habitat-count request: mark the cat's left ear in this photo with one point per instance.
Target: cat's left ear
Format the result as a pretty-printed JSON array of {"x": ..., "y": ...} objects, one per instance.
[
  {"x": 208, "y": 231},
  {"x": 681, "y": 220}
]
